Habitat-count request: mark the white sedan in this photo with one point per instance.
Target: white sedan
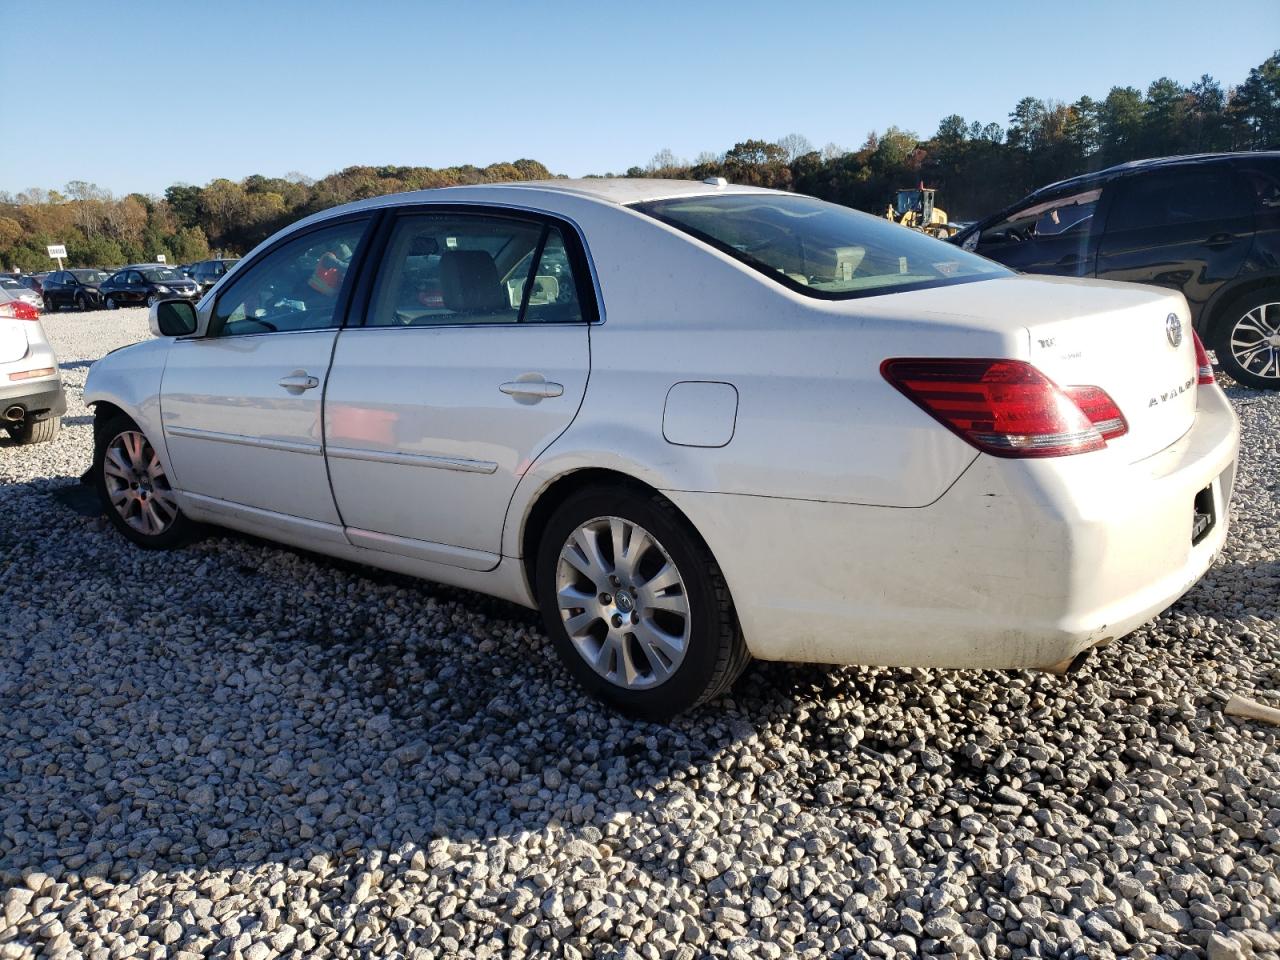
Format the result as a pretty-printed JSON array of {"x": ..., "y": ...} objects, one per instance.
[{"x": 692, "y": 423}]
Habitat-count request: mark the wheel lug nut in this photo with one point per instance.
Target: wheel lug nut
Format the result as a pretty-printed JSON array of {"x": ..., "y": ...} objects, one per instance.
[
  {"x": 615, "y": 581},
  {"x": 606, "y": 599},
  {"x": 635, "y": 618},
  {"x": 617, "y": 620}
]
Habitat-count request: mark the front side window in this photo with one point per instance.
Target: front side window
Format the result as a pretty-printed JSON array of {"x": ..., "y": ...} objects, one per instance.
[
  {"x": 1062, "y": 216},
  {"x": 447, "y": 269},
  {"x": 296, "y": 286},
  {"x": 821, "y": 249},
  {"x": 1169, "y": 199}
]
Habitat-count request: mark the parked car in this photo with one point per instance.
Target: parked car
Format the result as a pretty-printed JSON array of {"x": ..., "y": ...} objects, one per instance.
[
  {"x": 1208, "y": 226},
  {"x": 15, "y": 289},
  {"x": 35, "y": 281},
  {"x": 146, "y": 283},
  {"x": 31, "y": 399},
  {"x": 692, "y": 423},
  {"x": 208, "y": 272},
  {"x": 73, "y": 288}
]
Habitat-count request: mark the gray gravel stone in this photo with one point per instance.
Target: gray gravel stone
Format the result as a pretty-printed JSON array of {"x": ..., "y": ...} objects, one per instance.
[{"x": 237, "y": 748}]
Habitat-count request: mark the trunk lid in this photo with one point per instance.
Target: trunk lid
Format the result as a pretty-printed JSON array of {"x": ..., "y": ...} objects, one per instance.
[
  {"x": 13, "y": 340},
  {"x": 1099, "y": 333},
  {"x": 1142, "y": 354}
]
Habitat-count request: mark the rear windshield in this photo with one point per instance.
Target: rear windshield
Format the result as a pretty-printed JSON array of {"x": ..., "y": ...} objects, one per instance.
[
  {"x": 821, "y": 249},
  {"x": 160, "y": 274}
]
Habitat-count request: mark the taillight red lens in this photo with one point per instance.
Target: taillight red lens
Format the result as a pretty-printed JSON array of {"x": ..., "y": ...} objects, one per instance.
[
  {"x": 17, "y": 310},
  {"x": 1204, "y": 369},
  {"x": 1006, "y": 408},
  {"x": 1096, "y": 404}
]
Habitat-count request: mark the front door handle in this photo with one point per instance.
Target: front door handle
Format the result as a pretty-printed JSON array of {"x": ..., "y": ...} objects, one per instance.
[
  {"x": 299, "y": 381},
  {"x": 1220, "y": 240},
  {"x": 531, "y": 390}
]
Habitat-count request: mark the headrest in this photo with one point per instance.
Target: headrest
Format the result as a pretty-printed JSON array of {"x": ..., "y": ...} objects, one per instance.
[{"x": 469, "y": 282}]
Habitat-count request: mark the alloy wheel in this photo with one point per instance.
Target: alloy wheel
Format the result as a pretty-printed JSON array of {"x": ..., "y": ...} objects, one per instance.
[
  {"x": 1255, "y": 341},
  {"x": 111, "y": 303},
  {"x": 136, "y": 484},
  {"x": 623, "y": 602}
]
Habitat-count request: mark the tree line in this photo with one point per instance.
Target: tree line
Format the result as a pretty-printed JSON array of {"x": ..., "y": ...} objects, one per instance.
[{"x": 977, "y": 167}]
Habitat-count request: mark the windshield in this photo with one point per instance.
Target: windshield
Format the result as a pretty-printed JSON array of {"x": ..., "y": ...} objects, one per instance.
[
  {"x": 821, "y": 249},
  {"x": 161, "y": 274},
  {"x": 89, "y": 276}
]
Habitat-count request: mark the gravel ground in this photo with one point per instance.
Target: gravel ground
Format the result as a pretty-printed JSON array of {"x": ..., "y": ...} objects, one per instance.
[{"x": 245, "y": 751}]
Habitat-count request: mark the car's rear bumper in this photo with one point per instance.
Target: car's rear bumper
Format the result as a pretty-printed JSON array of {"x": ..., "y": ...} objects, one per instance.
[
  {"x": 1021, "y": 563},
  {"x": 39, "y": 399}
]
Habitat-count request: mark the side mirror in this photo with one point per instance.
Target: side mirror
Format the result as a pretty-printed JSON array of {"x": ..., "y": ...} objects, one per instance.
[{"x": 172, "y": 318}]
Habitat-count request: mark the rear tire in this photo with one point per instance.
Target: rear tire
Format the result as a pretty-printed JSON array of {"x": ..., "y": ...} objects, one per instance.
[
  {"x": 656, "y": 633},
  {"x": 134, "y": 488},
  {"x": 39, "y": 431},
  {"x": 1247, "y": 339}
]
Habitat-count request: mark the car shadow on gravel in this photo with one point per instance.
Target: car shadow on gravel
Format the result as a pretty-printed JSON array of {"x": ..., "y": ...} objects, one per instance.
[{"x": 237, "y": 704}]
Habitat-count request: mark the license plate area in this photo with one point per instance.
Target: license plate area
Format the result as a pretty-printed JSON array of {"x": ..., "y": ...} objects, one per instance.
[{"x": 1204, "y": 517}]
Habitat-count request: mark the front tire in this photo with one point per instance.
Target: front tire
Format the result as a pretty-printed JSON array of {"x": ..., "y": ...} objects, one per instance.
[
  {"x": 635, "y": 604},
  {"x": 49, "y": 305},
  {"x": 82, "y": 304},
  {"x": 134, "y": 488},
  {"x": 1247, "y": 340},
  {"x": 111, "y": 303}
]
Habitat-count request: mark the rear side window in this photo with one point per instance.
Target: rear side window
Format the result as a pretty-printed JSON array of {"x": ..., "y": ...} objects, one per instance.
[
  {"x": 820, "y": 249},
  {"x": 1169, "y": 199},
  {"x": 296, "y": 286},
  {"x": 448, "y": 269}
]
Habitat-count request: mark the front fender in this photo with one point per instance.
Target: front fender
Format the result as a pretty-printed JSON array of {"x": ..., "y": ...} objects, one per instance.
[{"x": 130, "y": 379}]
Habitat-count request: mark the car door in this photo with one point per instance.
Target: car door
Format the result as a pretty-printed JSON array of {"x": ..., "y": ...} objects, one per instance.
[
  {"x": 1055, "y": 236},
  {"x": 241, "y": 405},
  {"x": 471, "y": 359},
  {"x": 1189, "y": 229}
]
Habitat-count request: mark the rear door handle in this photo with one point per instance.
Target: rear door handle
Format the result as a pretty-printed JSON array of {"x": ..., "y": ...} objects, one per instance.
[
  {"x": 531, "y": 390},
  {"x": 1220, "y": 240},
  {"x": 298, "y": 381}
]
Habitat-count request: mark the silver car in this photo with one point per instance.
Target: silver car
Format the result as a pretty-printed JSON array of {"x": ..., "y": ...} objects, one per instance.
[{"x": 32, "y": 401}]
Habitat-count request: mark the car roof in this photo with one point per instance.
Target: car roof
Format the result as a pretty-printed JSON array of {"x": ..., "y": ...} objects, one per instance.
[{"x": 1151, "y": 163}]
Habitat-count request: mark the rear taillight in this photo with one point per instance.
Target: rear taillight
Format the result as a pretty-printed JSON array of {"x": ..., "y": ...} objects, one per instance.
[
  {"x": 1006, "y": 408},
  {"x": 17, "y": 310},
  {"x": 1096, "y": 404},
  {"x": 1204, "y": 369}
]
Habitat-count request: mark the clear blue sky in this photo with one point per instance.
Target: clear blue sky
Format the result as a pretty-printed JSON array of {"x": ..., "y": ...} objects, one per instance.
[{"x": 136, "y": 96}]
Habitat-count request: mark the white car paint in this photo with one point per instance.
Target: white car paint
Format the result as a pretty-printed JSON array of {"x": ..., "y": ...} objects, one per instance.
[{"x": 850, "y": 525}]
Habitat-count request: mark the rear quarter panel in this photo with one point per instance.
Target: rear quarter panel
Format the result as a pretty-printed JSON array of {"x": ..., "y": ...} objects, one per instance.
[{"x": 815, "y": 419}]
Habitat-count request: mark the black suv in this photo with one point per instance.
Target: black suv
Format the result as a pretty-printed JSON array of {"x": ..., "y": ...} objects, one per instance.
[
  {"x": 72, "y": 288},
  {"x": 147, "y": 283},
  {"x": 1208, "y": 225},
  {"x": 208, "y": 272}
]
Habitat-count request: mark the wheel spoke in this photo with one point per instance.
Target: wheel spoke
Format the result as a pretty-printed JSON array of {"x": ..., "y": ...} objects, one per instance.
[
  {"x": 667, "y": 576},
  {"x": 120, "y": 499},
  {"x": 668, "y": 602},
  {"x": 571, "y": 598},
  {"x": 577, "y": 625}
]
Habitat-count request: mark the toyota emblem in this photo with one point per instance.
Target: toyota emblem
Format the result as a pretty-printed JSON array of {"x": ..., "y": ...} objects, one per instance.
[{"x": 1173, "y": 330}]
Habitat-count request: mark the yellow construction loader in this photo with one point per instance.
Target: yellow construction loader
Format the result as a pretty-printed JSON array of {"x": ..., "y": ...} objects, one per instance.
[{"x": 914, "y": 208}]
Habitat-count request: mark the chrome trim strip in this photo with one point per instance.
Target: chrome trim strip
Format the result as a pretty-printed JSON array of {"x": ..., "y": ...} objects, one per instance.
[
  {"x": 264, "y": 443},
  {"x": 414, "y": 460}
]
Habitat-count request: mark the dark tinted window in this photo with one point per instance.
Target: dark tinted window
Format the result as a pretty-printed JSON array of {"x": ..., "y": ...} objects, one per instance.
[
  {"x": 1168, "y": 199},
  {"x": 818, "y": 248}
]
